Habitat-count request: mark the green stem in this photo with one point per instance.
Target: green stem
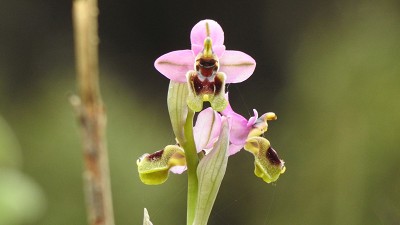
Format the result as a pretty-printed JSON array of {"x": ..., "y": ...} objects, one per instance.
[
  {"x": 182, "y": 124},
  {"x": 192, "y": 160}
]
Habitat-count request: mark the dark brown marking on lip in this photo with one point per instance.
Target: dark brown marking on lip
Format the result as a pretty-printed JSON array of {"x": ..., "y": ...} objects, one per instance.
[
  {"x": 206, "y": 67},
  {"x": 218, "y": 85},
  {"x": 203, "y": 87},
  {"x": 272, "y": 156},
  {"x": 156, "y": 155}
]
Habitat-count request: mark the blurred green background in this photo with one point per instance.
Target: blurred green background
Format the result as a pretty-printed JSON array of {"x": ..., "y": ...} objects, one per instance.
[{"x": 329, "y": 69}]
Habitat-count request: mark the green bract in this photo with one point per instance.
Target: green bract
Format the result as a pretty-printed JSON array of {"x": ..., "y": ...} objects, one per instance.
[
  {"x": 177, "y": 108},
  {"x": 211, "y": 171}
]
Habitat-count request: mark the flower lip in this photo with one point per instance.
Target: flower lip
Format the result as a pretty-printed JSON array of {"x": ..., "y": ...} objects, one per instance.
[
  {"x": 207, "y": 63},
  {"x": 207, "y": 67},
  {"x": 155, "y": 156}
]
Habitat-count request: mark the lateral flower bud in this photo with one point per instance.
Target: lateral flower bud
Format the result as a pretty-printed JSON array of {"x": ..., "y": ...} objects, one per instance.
[
  {"x": 154, "y": 168},
  {"x": 267, "y": 164}
]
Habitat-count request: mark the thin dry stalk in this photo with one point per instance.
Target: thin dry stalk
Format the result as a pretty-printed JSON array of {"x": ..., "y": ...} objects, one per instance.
[{"x": 91, "y": 115}]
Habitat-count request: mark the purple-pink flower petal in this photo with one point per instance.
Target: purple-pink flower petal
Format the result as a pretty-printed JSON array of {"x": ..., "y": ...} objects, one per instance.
[
  {"x": 207, "y": 129},
  {"x": 240, "y": 126},
  {"x": 239, "y": 130},
  {"x": 233, "y": 149},
  {"x": 237, "y": 66},
  {"x": 174, "y": 65},
  {"x": 178, "y": 169},
  {"x": 217, "y": 49},
  {"x": 253, "y": 119},
  {"x": 199, "y": 33}
]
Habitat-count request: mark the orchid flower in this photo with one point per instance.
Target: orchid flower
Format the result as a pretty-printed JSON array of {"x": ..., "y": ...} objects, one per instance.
[
  {"x": 154, "y": 167},
  {"x": 199, "y": 75},
  {"x": 246, "y": 134},
  {"x": 213, "y": 66},
  {"x": 243, "y": 128}
]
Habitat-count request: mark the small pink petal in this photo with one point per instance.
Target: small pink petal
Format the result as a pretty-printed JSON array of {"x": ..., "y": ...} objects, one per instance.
[
  {"x": 174, "y": 65},
  {"x": 199, "y": 33},
  {"x": 253, "y": 119},
  {"x": 233, "y": 149},
  {"x": 207, "y": 129},
  {"x": 178, "y": 169},
  {"x": 237, "y": 66}
]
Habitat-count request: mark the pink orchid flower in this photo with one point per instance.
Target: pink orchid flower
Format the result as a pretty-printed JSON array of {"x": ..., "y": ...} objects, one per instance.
[
  {"x": 208, "y": 127},
  {"x": 242, "y": 129},
  {"x": 206, "y": 132},
  {"x": 213, "y": 66}
]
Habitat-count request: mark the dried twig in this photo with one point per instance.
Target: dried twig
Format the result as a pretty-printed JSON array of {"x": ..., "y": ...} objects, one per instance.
[{"x": 92, "y": 118}]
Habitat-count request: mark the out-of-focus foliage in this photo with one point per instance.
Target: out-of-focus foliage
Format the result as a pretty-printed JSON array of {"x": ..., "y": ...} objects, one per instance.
[
  {"x": 9, "y": 149},
  {"x": 21, "y": 199},
  {"x": 329, "y": 69},
  {"x": 341, "y": 120}
]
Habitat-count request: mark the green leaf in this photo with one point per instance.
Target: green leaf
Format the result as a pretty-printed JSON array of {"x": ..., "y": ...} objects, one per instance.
[{"x": 211, "y": 171}]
